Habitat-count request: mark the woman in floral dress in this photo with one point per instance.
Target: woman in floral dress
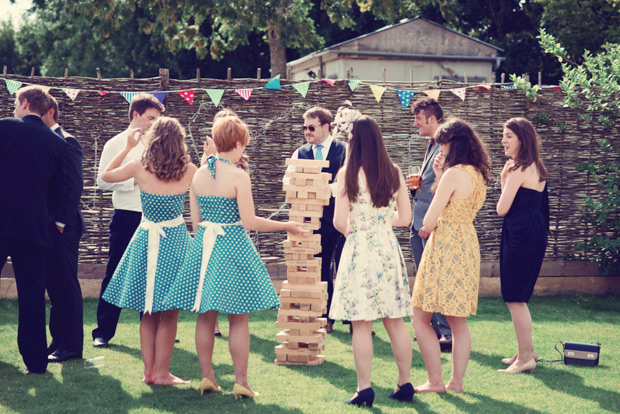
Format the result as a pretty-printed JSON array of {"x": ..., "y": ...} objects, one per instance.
[{"x": 371, "y": 197}]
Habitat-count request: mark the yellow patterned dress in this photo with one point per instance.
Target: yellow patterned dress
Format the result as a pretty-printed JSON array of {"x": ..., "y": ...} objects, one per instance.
[{"x": 449, "y": 275}]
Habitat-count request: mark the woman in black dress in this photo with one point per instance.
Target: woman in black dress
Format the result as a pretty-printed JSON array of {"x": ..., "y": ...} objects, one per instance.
[{"x": 525, "y": 207}]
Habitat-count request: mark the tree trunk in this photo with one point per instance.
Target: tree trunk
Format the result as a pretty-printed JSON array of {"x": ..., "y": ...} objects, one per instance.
[{"x": 277, "y": 51}]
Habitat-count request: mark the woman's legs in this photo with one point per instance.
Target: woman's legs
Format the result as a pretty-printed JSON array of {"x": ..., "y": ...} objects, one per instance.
[
  {"x": 148, "y": 330},
  {"x": 164, "y": 344},
  {"x": 362, "y": 352},
  {"x": 429, "y": 347},
  {"x": 522, "y": 321},
  {"x": 239, "y": 346},
  {"x": 205, "y": 342},
  {"x": 461, "y": 349},
  {"x": 401, "y": 347}
]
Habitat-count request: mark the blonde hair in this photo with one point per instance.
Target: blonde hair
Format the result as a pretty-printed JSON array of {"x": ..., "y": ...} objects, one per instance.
[
  {"x": 165, "y": 152},
  {"x": 228, "y": 131}
]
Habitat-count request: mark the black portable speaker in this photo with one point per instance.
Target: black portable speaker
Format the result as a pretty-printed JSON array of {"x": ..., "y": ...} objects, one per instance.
[{"x": 576, "y": 353}]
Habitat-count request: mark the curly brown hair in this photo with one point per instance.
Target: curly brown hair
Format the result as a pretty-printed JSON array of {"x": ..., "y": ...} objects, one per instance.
[
  {"x": 465, "y": 147},
  {"x": 165, "y": 152}
]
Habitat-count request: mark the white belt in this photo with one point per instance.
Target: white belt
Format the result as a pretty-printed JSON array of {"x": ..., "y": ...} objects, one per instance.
[
  {"x": 212, "y": 230},
  {"x": 155, "y": 231}
]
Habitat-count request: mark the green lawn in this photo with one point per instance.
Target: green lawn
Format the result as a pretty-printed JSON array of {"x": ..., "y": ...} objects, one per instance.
[{"x": 116, "y": 387}]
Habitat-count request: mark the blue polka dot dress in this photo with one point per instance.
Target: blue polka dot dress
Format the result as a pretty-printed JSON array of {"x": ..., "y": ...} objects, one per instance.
[
  {"x": 235, "y": 280},
  {"x": 128, "y": 285}
]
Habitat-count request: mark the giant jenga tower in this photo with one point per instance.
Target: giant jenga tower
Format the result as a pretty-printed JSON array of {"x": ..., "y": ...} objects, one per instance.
[{"x": 303, "y": 295}]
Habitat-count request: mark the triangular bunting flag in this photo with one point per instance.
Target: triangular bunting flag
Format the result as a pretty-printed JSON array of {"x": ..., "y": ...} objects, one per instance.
[
  {"x": 129, "y": 95},
  {"x": 71, "y": 93},
  {"x": 188, "y": 95},
  {"x": 557, "y": 89},
  {"x": 353, "y": 84},
  {"x": 509, "y": 87},
  {"x": 245, "y": 93},
  {"x": 102, "y": 93},
  {"x": 161, "y": 96},
  {"x": 12, "y": 85},
  {"x": 302, "y": 88},
  {"x": 433, "y": 94},
  {"x": 377, "y": 91},
  {"x": 215, "y": 95},
  {"x": 405, "y": 97},
  {"x": 274, "y": 83},
  {"x": 330, "y": 81},
  {"x": 486, "y": 86},
  {"x": 460, "y": 92}
]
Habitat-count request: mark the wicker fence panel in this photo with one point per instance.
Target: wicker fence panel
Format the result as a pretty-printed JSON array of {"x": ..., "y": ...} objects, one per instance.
[{"x": 275, "y": 118}]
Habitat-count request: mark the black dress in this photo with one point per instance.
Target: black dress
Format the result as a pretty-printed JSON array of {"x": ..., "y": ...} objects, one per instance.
[{"x": 524, "y": 240}]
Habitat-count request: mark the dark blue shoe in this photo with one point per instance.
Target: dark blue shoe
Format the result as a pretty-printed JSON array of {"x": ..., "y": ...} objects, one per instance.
[
  {"x": 403, "y": 393},
  {"x": 362, "y": 397}
]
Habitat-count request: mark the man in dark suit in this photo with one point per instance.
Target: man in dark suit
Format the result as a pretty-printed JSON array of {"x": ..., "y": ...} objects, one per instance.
[
  {"x": 31, "y": 167},
  {"x": 321, "y": 146},
  {"x": 63, "y": 286}
]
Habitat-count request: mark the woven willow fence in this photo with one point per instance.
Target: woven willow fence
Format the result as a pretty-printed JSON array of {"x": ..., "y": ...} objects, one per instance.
[{"x": 275, "y": 119}]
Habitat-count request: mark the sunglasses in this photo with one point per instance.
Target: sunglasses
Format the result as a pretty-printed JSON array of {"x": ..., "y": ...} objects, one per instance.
[{"x": 311, "y": 128}]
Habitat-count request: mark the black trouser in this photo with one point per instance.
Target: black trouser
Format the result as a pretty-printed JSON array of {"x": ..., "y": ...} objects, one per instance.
[
  {"x": 29, "y": 268},
  {"x": 64, "y": 291},
  {"x": 329, "y": 242},
  {"x": 122, "y": 227}
]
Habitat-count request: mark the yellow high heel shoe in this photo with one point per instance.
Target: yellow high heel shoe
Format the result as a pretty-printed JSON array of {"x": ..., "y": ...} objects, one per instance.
[
  {"x": 510, "y": 361},
  {"x": 513, "y": 369},
  {"x": 241, "y": 391},
  {"x": 207, "y": 386}
]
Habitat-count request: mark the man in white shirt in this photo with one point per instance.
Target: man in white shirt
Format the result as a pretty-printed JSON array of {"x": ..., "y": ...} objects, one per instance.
[
  {"x": 321, "y": 146},
  {"x": 143, "y": 111}
]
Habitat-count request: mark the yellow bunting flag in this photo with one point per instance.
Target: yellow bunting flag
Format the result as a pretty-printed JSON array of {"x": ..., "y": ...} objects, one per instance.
[{"x": 377, "y": 91}]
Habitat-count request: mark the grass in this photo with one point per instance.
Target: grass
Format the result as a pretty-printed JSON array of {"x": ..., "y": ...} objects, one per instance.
[{"x": 116, "y": 388}]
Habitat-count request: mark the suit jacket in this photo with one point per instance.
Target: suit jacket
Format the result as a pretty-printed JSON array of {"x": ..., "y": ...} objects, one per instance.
[
  {"x": 32, "y": 179},
  {"x": 423, "y": 195},
  {"x": 69, "y": 211},
  {"x": 336, "y": 157}
]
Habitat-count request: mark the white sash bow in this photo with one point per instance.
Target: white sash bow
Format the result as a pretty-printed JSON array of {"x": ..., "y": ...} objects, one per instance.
[
  {"x": 212, "y": 230},
  {"x": 155, "y": 232}
]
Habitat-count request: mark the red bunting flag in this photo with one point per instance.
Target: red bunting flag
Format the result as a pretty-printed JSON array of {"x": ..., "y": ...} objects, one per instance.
[
  {"x": 486, "y": 86},
  {"x": 102, "y": 93},
  {"x": 245, "y": 93},
  {"x": 557, "y": 89},
  {"x": 330, "y": 81},
  {"x": 188, "y": 95}
]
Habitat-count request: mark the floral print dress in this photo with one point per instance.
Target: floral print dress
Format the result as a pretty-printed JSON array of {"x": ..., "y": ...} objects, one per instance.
[{"x": 372, "y": 276}]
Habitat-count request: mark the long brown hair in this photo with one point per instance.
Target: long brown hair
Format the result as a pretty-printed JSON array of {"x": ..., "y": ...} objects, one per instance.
[
  {"x": 465, "y": 147},
  {"x": 529, "y": 151},
  {"x": 367, "y": 150},
  {"x": 165, "y": 152}
]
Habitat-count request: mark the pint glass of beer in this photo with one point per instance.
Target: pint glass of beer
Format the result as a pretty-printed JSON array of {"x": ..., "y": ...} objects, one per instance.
[{"x": 413, "y": 178}]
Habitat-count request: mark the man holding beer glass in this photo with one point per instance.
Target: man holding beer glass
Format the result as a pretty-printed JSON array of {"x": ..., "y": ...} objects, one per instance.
[{"x": 428, "y": 117}]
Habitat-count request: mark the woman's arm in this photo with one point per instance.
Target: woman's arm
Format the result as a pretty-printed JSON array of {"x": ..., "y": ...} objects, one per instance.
[
  {"x": 114, "y": 172},
  {"x": 447, "y": 185},
  {"x": 514, "y": 180},
  {"x": 402, "y": 216},
  {"x": 194, "y": 209},
  {"x": 341, "y": 210},
  {"x": 245, "y": 201}
]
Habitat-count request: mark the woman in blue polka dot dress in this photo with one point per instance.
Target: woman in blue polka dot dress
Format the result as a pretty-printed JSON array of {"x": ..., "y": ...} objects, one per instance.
[
  {"x": 156, "y": 251},
  {"x": 223, "y": 271}
]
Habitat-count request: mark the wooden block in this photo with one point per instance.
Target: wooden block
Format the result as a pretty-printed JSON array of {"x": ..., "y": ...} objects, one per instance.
[
  {"x": 304, "y": 238},
  {"x": 285, "y": 292},
  {"x": 316, "y": 306},
  {"x": 307, "y": 307},
  {"x": 281, "y": 358},
  {"x": 307, "y": 163},
  {"x": 294, "y": 293},
  {"x": 319, "y": 302},
  {"x": 311, "y": 170},
  {"x": 316, "y": 290},
  {"x": 300, "y": 181},
  {"x": 304, "y": 200}
]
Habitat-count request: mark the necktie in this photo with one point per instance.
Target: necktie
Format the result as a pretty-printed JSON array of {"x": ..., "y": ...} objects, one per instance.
[{"x": 318, "y": 155}]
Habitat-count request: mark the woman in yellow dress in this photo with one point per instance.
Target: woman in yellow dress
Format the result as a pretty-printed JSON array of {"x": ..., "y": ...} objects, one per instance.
[{"x": 448, "y": 277}]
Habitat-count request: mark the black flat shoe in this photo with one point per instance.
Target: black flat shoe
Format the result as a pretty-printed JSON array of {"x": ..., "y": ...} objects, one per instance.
[
  {"x": 362, "y": 397},
  {"x": 61, "y": 356},
  {"x": 403, "y": 393}
]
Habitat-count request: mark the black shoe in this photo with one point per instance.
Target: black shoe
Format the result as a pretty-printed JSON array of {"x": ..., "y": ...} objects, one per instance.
[
  {"x": 100, "y": 343},
  {"x": 61, "y": 356},
  {"x": 403, "y": 393},
  {"x": 362, "y": 397},
  {"x": 445, "y": 343}
]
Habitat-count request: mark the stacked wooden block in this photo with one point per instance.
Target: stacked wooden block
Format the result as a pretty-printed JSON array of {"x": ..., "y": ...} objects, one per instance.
[{"x": 303, "y": 295}]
